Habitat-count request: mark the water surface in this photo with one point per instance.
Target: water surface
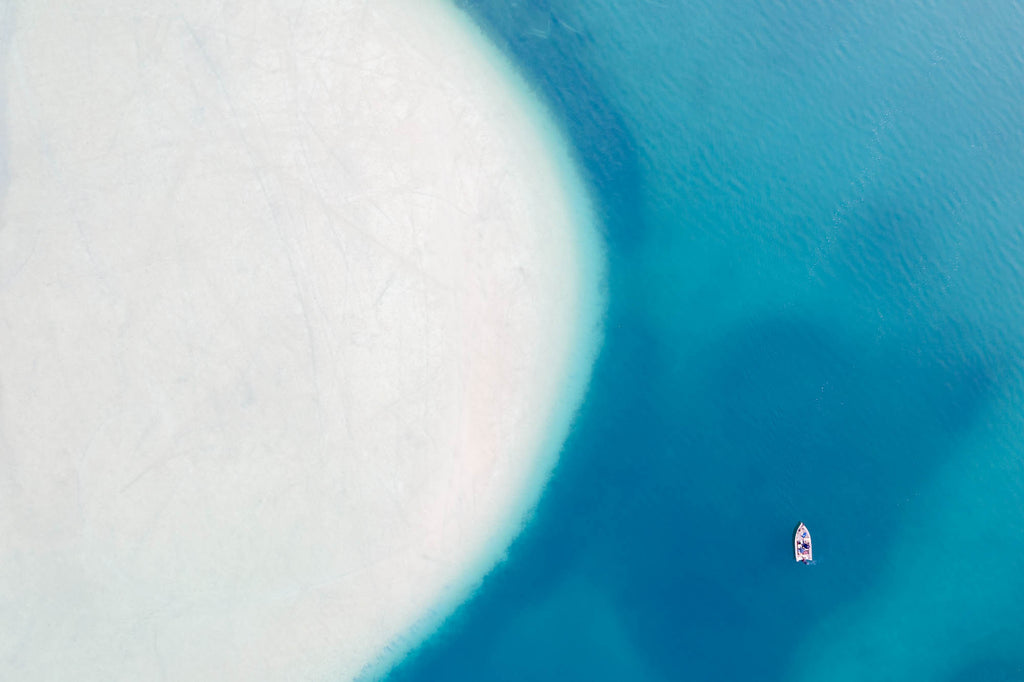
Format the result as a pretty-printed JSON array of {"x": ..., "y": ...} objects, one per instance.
[{"x": 813, "y": 214}]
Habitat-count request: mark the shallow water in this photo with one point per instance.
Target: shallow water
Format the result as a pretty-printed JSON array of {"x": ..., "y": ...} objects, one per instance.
[{"x": 813, "y": 215}]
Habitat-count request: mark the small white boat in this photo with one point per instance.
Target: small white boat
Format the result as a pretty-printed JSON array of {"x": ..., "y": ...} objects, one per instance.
[{"x": 802, "y": 545}]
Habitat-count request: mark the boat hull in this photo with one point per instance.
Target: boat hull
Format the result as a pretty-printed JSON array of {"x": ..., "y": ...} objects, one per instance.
[{"x": 802, "y": 550}]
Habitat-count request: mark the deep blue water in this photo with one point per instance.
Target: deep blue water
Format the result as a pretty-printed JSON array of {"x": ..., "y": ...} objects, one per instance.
[{"x": 815, "y": 234}]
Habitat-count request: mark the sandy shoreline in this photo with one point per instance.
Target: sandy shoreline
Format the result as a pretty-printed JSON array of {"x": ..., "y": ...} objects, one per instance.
[{"x": 297, "y": 306}]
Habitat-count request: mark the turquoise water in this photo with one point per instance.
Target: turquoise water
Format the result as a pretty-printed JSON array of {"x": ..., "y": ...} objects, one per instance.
[{"x": 816, "y": 278}]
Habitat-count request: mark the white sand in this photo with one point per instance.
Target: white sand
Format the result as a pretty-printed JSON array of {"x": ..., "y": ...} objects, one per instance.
[{"x": 296, "y": 301}]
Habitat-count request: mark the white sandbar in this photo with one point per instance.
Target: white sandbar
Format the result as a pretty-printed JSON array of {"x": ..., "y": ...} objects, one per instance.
[{"x": 296, "y": 301}]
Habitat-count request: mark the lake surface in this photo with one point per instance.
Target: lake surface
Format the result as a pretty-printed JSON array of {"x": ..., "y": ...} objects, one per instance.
[{"x": 814, "y": 217}]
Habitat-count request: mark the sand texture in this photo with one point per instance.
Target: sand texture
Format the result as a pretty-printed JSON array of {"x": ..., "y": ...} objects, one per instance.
[{"x": 290, "y": 298}]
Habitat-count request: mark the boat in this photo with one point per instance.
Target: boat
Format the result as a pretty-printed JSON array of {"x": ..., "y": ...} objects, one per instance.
[{"x": 802, "y": 545}]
